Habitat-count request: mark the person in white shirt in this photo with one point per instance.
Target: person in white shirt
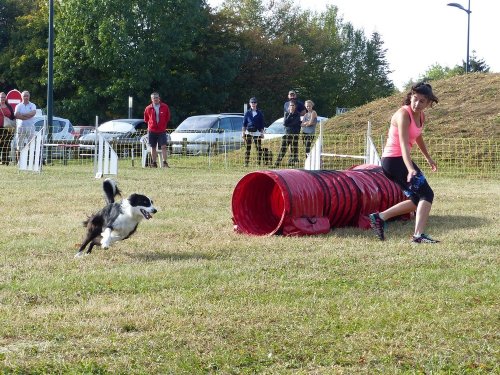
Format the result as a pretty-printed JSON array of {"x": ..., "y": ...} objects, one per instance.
[{"x": 25, "y": 111}]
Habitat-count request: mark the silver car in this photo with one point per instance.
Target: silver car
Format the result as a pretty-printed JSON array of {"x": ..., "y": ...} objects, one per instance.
[
  {"x": 62, "y": 129},
  {"x": 204, "y": 134},
  {"x": 120, "y": 129},
  {"x": 124, "y": 133},
  {"x": 61, "y": 132}
]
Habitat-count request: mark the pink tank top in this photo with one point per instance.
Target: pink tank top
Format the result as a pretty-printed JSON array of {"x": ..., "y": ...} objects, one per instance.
[{"x": 392, "y": 147}]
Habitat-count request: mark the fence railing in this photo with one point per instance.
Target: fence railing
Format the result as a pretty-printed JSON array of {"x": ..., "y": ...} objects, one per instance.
[{"x": 454, "y": 156}]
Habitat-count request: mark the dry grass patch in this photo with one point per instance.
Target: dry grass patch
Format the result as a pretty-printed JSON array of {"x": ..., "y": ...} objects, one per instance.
[{"x": 469, "y": 106}]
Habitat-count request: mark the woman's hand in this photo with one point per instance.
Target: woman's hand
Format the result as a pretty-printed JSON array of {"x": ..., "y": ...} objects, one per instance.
[
  {"x": 432, "y": 164},
  {"x": 411, "y": 173}
]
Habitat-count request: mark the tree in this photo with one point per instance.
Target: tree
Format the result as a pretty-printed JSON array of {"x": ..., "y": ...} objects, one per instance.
[
  {"x": 270, "y": 63},
  {"x": 436, "y": 71},
  {"x": 324, "y": 77},
  {"x": 199, "y": 60},
  {"x": 477, "y": 65},
  {"x": 107, "y": 50},
  {"x": 377, "y": 70},
  {"x": 23, "y": 47}
]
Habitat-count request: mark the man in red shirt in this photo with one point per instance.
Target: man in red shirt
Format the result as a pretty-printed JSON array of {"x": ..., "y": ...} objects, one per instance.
[{"x": 157, "y": 116}]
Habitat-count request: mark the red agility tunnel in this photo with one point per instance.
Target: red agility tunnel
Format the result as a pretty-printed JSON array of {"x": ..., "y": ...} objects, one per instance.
[{"x": 301, "y": 202}]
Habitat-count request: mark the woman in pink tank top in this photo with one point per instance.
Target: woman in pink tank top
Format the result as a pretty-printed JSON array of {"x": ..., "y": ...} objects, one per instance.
[{"x": 406, "y": 130}]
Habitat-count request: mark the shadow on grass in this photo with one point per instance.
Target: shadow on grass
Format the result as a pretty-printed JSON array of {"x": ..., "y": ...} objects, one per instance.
[
  {"x": 448, "y": 222},
  {"x": 157, "y": 256},
  {"x": 442, "y": 223}
]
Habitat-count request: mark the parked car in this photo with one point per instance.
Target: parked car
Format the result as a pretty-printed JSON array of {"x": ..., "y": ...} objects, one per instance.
[
  {"x": 120, "y": 129},
  {"x": 201, "y": 134},
  {"x": 81, "y": 130},
  {"x": 62, "y": 129},
  {"x": 125, "y": 134},
  {"x": 276, "y": 129}
]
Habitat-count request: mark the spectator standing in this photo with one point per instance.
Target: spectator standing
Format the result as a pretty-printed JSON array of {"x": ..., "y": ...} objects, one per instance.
[
  {"x": 292, "y": 124},
  {"x": 309, "y": 125},
  {"x": 292, "y": 96},
  {"x": 406, "y": 130},
  {"x": 6, "y": 135},
  {"x": 253, "y": 130},
  {"x": 157, "y": 116},
  {"x": 25, "y": 111}
]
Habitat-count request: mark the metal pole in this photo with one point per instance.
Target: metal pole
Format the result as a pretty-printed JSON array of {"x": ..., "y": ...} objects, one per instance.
[
  {"x": 50, "y": 78},
  {"x": 456, "y": 5},
  {"x": 468, "y": 35},
  {"x": 130, "y": 105}
]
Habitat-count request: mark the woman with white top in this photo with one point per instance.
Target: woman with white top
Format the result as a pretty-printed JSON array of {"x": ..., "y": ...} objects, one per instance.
[{"x": 25, "y": 111}]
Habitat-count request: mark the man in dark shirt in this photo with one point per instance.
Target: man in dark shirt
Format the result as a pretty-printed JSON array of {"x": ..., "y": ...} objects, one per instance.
[
  {"x": 301, "y": 108},
  {"x": 292, "y": 124}
]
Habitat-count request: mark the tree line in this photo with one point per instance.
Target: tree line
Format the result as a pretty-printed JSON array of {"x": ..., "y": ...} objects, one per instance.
[{"x": 199, "y": 59}]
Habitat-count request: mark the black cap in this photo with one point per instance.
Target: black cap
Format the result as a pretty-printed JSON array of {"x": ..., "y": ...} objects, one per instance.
[
  {"x": 425, "y": 89},
  {"x": 253, "y": 100}
]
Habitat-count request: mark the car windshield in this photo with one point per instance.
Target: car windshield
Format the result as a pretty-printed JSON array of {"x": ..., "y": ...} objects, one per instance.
[
  {"x": 276, "y": 128},
  {"x": 197, "y": 123},
  {"x": 116, "y": 127}
]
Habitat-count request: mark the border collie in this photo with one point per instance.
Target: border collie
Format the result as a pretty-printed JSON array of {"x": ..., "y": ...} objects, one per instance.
[{"x": 117, "y": 220}]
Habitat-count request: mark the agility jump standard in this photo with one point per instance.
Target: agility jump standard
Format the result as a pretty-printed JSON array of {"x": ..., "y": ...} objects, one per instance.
[{"x": 313, "y": 160}]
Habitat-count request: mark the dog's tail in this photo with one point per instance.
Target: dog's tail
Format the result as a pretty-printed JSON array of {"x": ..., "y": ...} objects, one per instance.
[{"x": 111, "y": 190}]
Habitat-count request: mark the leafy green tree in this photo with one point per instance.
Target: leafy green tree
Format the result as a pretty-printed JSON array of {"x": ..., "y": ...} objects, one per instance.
[
  {"x": 270, "y": 63},
  {"x": 199, "y": 60},
  {"x": 324, "y": 77},
  {"x": 377, "y": 70},
  {"x": 437, "y": 71},
  {"x": 476, "y": 64},
  {"x": 108, "y": 50},
  {"x": 23, "y": 47},
  {"x": 322, "y": 57}
]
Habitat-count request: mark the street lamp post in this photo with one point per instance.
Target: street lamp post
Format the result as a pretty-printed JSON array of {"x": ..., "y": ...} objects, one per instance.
[
  {"x": 50, "y": 78},
  {"x": 467, "y": 66}
]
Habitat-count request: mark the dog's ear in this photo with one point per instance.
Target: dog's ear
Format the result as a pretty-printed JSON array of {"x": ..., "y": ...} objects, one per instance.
[{"x": 139, "y": 200}]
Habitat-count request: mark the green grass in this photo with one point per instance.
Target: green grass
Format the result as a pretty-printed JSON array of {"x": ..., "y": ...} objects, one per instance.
[{"x": 187, "y": 295}]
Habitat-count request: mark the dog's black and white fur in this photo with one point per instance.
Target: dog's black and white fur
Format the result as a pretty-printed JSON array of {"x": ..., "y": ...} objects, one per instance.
[{"x": 117, "y": 220}]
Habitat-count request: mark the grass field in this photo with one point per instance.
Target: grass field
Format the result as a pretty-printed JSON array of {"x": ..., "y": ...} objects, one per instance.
[{"x": 187, "y": 295}]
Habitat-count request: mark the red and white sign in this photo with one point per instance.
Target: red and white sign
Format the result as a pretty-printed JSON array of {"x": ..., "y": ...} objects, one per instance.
[{"x": 14, "y": 98}]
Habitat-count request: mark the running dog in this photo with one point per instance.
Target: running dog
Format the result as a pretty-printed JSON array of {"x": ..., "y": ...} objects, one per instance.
[{"x": 117, "y": 220}]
